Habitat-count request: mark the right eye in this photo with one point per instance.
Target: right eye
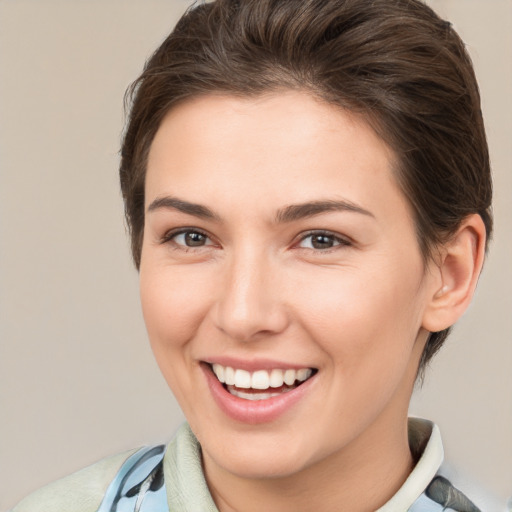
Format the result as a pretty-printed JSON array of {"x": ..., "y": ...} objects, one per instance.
[{"x": 188, "y": 238}]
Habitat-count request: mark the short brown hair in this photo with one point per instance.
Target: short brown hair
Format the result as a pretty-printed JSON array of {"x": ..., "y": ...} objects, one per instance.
[{"x": 395, "y": 62}]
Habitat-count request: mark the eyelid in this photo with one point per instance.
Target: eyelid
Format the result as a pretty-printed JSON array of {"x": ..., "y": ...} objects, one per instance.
[
  {"x": 343, "y": 241},
  {"x": 170, "y": 235}
]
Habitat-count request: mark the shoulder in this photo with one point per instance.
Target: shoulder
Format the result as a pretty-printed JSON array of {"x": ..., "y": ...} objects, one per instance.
[
  {"x": 434, "y": 485},
  {"x": 442, "y": 485},
  {"x": 82, "y": 491},
  {"x": 457, "y": 494},
  {"x": 453, "y": 485}
]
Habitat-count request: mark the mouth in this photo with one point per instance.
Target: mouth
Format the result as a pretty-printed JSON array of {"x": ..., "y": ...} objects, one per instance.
[{"x": 260, "y": 384}]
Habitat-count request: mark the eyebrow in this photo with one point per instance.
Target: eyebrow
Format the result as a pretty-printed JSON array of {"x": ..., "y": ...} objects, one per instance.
[
  {"x": 173, "y": 203},
  {"x": 287, "y": 214},
  {"x": 300, "y": 211}
]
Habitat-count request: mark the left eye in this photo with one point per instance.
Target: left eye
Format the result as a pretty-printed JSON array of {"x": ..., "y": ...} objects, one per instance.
[
  {"x": 190, "y": 239},
  {"x": 321, "y": 241}
]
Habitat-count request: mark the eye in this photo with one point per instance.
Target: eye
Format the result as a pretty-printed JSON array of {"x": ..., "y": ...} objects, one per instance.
[
  {"x": 188, "y": 238},
  {"x": 321, "y": 240}
]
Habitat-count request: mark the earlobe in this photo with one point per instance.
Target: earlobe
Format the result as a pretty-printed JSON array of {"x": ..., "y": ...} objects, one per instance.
[{"x": 458, "y": 269}]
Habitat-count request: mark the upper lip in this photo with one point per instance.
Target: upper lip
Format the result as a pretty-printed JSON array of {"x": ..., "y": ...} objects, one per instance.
[{"x": 252, "y": 365}]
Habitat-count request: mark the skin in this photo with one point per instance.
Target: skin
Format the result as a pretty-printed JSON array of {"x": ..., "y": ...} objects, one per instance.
[{"x": 359, "y": 311}]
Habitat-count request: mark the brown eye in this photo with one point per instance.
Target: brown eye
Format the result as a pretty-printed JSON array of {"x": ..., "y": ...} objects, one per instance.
[
  {"x": 190, "y": 238},
  {"x": 194, "y": 239},
  {"x": 321, "y": 241}
]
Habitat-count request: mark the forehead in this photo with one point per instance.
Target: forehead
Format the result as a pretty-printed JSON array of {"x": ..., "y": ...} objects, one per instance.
[{"x": 288, "y": 144}]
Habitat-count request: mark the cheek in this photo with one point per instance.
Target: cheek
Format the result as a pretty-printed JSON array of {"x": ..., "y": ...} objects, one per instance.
[
  {"x": 173, "y": 302},
  {"x": 366, "y": 327},
  {"x": 364, "y": 318}
]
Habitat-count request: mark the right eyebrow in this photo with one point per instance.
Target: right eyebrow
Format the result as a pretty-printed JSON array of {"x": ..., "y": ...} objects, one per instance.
[{"x": 173, "y": 203}]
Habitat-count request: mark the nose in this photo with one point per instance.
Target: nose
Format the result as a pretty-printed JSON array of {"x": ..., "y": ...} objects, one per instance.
[{"x": 250, "y": 304}]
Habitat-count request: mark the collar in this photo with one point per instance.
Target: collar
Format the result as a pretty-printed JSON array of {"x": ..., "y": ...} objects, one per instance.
[{"x": 427, "y": 449}]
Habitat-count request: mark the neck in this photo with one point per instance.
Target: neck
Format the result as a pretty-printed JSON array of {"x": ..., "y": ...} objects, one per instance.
[{"x": 361, "y": 478}]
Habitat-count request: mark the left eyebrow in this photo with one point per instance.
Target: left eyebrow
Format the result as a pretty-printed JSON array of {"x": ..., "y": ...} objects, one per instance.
[{"x": 300, "y": 211}]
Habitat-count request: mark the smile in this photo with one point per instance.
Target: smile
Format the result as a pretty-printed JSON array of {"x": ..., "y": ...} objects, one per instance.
[
  {"x": 256, "y": 393},
  {"x": 260, "y": 384}
]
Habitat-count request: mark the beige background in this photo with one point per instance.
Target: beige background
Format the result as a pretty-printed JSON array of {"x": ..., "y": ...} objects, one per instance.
[{"x": 77, "y": 378}]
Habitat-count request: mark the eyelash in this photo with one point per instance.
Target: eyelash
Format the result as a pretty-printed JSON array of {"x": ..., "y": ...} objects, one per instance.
[
  {"x": 171, "y": 236},
  {"x": 340, "y": 241}
]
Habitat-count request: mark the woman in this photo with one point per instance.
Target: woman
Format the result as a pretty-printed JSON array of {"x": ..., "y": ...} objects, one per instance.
[{"x": 308, "y": 193}]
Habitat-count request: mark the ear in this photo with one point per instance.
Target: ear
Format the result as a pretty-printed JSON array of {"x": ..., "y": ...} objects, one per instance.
[{"x": 455, "y": 275}]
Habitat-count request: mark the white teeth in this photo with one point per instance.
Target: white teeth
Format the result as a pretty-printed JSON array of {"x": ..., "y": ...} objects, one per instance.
[
  {"x": 289, "y": 377},
  {"x": 242, "y": 379},
  {"x": 219, "y": 371},
  {"x": 253, "y": 396},
  {"x": 304, "y": 374},
  {"x": 276, "y": 378},
  {"x": 260, "y": 379},
  {"x": 229, "y": 375}
]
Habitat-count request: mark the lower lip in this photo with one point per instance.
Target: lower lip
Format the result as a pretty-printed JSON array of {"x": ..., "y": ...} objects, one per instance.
[{"x": 253, "y": 411}]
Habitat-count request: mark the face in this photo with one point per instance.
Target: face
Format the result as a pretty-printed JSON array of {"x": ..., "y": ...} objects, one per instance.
[{"x": 281, "y": 281}]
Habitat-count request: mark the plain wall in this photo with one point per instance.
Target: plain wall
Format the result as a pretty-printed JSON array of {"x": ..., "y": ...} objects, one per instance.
[{"x": 77, "y": 377}]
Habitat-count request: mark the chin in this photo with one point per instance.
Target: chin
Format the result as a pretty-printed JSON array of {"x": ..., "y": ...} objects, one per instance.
[
  {"x": 259, "y": 458},
  {"x": 270, "y": 467}
]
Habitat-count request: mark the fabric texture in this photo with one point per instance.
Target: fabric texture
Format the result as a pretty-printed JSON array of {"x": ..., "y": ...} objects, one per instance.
[
  {"x": 171, "y": 479},
  {"x": 139, "y": 484},
  {"x": 79, "y": 492}
]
